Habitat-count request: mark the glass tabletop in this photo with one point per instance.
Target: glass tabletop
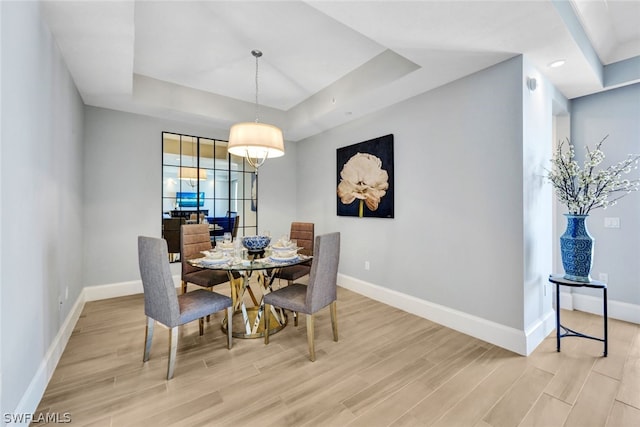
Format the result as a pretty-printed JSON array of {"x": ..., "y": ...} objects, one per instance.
[{"x": 236, "y": 264}]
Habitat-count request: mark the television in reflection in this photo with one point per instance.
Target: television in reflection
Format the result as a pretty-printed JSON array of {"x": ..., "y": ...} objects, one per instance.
[{"x": 190, "y": 199}]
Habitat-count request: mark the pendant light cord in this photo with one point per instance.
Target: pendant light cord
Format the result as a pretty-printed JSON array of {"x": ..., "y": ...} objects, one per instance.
[{"x": 257, "y": 54}]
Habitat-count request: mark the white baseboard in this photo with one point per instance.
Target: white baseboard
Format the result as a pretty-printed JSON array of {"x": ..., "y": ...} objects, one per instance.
[
  {"x": 113, "y": 290},
  {"x": 32, "y": 396},
  {"x": 540, "y": 330},
  {"x": 593, "y": 304},
  {"x": 521, "y": 342},
  {"x": 566, "y": 301}
]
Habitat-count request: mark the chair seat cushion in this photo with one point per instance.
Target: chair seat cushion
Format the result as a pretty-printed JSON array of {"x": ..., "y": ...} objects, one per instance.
[
  {"x": 200, "y": 303},
  {"x": 294, "y": 272},
  {"x": 206, "y": 278},
  {"x": 292, "y": 298}
]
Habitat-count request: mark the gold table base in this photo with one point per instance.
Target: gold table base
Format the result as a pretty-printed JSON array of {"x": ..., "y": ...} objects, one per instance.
[{"x": 239, "y": 325}]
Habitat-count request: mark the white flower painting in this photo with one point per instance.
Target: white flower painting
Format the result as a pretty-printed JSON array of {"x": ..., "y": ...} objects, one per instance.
[{"x": 365, "y": 179}]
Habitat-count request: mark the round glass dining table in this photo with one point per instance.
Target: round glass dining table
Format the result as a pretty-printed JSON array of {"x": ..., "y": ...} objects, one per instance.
[{"x": 247, "y": 320}]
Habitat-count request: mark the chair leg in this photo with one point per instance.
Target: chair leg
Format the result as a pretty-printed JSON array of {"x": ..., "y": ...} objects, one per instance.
[
  {"x": 208, "y": 315},
  {"x": 148, "y": 336},
  {"x": 173, "y": 347},
  {"x": 184, "y": 287},
  {"x": 295, "y": 318},
  {"x": 334, "y": 320},
  {"x": 229, "y": 326},
  {"x": 201, "y": 325},
  {"x": 310, "y": 338},
  {"x": 267, "y": 314}
]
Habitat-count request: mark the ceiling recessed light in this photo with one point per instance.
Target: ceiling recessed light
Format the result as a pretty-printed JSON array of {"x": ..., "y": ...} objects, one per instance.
[{"x": 556, "y": 64}]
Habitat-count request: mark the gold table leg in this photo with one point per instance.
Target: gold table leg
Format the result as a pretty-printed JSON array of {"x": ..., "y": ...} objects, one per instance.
[{"x": 247, "y": 321}]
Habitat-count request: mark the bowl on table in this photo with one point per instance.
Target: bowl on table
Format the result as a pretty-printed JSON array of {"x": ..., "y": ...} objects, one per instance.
[{"x": 256, "y": 243}]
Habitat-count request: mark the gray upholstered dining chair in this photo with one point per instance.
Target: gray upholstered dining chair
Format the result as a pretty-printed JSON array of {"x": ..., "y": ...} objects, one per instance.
[
  {"x": 162, "y": 304},
  {"x": 303, "y": 232},
  {"x": 195, "y": 238},
  {"x": 320, "y": 292}
]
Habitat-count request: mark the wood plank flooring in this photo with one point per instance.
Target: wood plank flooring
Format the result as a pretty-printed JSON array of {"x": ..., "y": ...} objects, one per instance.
[{"x": 389, "y": 368}]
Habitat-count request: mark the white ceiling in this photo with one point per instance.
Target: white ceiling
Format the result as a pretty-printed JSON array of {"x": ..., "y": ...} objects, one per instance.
[{"x": 325, "y": 62}]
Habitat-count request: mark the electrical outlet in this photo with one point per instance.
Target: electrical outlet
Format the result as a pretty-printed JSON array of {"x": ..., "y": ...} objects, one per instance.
[
  {"x": 612, "y": 222},
  {"x": 366, "y": 265}
]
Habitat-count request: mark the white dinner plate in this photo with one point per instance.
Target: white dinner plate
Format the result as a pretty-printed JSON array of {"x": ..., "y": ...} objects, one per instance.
[
  {"x": 287, "y": 249},
  {"x": 281, "y": 259},
  {"x": 213, "y": 261}
]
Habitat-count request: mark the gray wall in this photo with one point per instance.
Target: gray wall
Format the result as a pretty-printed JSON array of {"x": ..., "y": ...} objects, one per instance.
[
  {"x": 41, "y": 184},
  {"x": 123, "y": 184},
  {"x": 458, "y": 236},
  {"x": 615, "y": 113}
]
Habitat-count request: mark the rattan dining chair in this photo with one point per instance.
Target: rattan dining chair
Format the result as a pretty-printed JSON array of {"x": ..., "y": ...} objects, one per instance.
[
  {"x": 319, "y": 293},
  {"x": 162, "y": 304}
]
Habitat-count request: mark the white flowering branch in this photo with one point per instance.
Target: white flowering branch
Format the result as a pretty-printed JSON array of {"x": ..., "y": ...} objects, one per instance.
[{"x": 583, "y": 190}]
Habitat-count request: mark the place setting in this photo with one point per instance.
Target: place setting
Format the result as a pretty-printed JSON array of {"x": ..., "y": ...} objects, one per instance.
[
  {"x": 214, "y": 257},
  {"x": 284, "y": 250}
]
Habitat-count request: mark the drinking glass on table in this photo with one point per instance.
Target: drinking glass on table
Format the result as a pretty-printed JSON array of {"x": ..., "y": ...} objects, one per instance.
[
  {"x": 237, "y": 249},
  {"x": 226, "y": 238}
]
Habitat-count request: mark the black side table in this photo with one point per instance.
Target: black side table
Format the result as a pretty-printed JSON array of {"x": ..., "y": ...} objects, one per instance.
[{"x": 559, "y": 280}]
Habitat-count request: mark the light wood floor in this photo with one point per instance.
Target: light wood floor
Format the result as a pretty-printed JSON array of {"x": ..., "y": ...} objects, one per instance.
[{"x": 389, "y": 368}]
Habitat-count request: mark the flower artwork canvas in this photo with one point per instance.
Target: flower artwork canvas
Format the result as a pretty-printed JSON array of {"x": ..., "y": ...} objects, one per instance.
[{"x": 365, "y": 179}]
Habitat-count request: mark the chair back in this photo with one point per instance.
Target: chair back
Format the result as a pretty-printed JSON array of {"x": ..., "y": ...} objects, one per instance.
[
  {"x": 304, "y": 234},
  {"x": 322, "y": 287},
  {"x": 194, "y": 238},
  {"x": 196, "y": 218},
  {"x": 236, "y": 222},
  {"x": 171, "y": 233},
  {"x": 160, "y": 299}
]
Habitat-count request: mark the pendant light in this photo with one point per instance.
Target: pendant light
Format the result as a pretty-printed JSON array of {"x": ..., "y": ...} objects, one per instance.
[
  {"x": 256, "y": 141},
  {"x": 192, "y": 174}
]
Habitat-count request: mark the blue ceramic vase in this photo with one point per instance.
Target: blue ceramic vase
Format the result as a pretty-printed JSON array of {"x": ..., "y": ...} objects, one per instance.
[{"x": 576, "y": 246}]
